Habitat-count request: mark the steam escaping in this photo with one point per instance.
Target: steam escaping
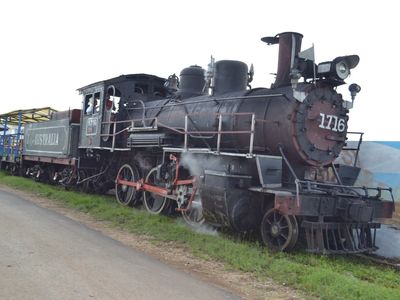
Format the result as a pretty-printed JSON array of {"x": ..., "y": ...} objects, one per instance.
[
  {"x": 144, "y": 162},
  {"x": 196, "y": 164},
  {"x": 203, "y": 228},
  {"x": 189, "y": 161}
]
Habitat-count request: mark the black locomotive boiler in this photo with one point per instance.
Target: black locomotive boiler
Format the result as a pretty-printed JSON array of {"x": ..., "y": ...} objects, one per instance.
[{"x": 208, "y": 145}]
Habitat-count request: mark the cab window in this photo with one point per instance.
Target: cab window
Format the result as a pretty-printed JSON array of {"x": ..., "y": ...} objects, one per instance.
[{"x": 92, "y": 103}]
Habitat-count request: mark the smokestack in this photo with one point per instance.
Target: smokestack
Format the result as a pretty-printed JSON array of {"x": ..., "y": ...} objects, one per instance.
[{"x": 289, "y": 48}]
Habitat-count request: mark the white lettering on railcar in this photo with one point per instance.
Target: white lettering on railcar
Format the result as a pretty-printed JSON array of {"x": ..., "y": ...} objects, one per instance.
[
  {"x": 45, "y": 139},
  {"x": 332, "y": 122}
]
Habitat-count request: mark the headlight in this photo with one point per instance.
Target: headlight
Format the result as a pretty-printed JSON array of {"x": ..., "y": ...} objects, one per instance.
[
  {"x": 342, "y": 70},
  {"x": 338, "y": 69}
]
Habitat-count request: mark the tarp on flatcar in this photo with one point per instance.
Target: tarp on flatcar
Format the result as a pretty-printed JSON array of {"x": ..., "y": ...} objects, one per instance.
[{"x": 31, "y": 115}]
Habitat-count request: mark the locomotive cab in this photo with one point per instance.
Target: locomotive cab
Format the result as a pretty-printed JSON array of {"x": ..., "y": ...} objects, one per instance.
[{"x": 113, "y": 100}]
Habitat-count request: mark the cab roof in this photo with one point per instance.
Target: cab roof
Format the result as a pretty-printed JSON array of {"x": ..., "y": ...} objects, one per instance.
[{"x": 124, "y": 78}]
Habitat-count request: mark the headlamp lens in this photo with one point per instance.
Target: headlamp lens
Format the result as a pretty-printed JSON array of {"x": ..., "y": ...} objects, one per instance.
[{"x": 342, "y": 70}]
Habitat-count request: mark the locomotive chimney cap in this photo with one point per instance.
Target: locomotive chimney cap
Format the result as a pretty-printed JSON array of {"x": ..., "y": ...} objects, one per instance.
[{"x": 272, "y": 40}]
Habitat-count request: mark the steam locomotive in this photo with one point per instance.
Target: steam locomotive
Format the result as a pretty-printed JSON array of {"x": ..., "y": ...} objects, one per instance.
[{"x": 216, "y": 150}]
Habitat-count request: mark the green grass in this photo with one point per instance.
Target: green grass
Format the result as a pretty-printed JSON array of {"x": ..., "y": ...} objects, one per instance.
[{"x": 327, "y": 277}]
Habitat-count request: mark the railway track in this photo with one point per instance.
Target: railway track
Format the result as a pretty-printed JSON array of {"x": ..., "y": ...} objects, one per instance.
[{"x": 390, "y": 262}]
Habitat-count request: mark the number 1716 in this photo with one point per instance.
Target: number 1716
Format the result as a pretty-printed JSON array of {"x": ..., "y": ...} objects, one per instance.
[{"x": 332, "y": 123}]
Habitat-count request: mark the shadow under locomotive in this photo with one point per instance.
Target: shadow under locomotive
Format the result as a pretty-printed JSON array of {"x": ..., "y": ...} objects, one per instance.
[{"x": 217, "y": 150}]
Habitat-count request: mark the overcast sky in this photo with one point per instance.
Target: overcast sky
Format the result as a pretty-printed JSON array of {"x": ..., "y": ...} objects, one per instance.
[{"x": 51, "y": 48}]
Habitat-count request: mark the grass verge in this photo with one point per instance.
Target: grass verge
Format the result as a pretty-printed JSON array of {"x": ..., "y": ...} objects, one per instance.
[{"x": 327, "y": 277}]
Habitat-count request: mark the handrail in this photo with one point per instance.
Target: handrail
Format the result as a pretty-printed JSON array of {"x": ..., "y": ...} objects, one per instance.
[
  {"x": 214, "y": 99},
  {"x": 186, "y": 132},
  {"x": 310, "y": 185},
  {"x": 221, "y": 132},
  {"x": 314, "y": 185},
  {"x": 358, "y": 145}
]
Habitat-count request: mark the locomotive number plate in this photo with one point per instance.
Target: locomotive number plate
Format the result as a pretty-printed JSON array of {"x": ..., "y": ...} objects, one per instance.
[
  {"x": 91, "y": 126},
  {"x": 332, "y": 122}
]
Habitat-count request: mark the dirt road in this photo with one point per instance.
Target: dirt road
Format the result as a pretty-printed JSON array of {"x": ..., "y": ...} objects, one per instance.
[{"x": 45, "y": 255}]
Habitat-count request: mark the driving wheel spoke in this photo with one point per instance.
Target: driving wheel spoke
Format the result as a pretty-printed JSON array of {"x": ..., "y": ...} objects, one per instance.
[
  {"x": 153, "y": 203},
  {"x": 125, "y": 194},
  {"x": 278, "y": 230}
]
